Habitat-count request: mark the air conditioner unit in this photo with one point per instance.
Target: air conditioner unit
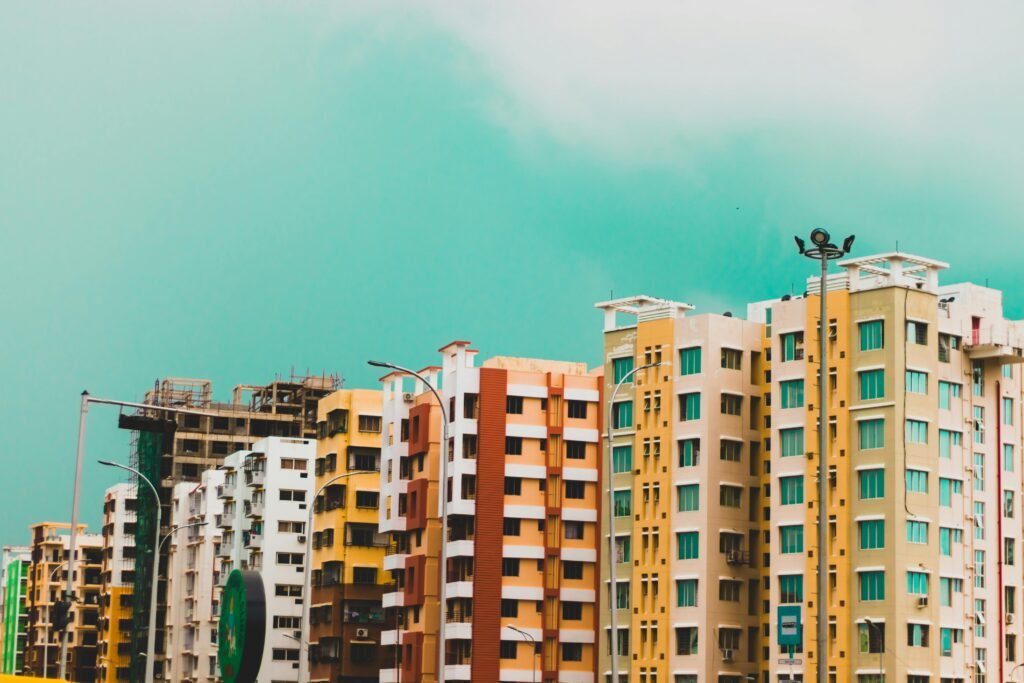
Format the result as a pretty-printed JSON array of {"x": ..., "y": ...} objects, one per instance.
[
  {"x": 922, "y": 601},
  {"x": 408, "y": 396},
  {"x": 1010, "y": 618},
  {"x": 302, "y": 538},
  {"x": 362, "y": 633}
]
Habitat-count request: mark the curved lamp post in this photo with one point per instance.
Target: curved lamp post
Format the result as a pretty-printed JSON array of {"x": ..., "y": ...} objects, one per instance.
[
  {"x": 613, "y": 606},
  {"x": 533, "y": 657},
  {"x": 151, "y": 635},
  {"x": 443, "y": 555},
  {"x": 823, "y": 250}
]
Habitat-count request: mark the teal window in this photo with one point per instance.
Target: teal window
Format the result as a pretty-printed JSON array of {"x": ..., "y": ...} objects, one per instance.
[
  {"x": 1007, "y": 371},
  {"x": 688, "y": 545},
  {"x": 917, "y": 532},
  {"x": 621, "y": 367},
  {"x": 979, "y": 471},
  {"x": 792, "y": 441},
  {"x": 917, "y": 382},
  {"x": 945, "y": 492},
  {"x": 793, "y": 346},
  {"x": 872, "y": 484},
  {"x": 622, "y": 459},
  {"x": 622, "y": 549},
  {"x": 917, "y": 481},
  {"x": 792, "y": 490},
  {"x": 689, "y": 361},
  {"x": 689, "y": 406},
  {"x": 917, "y": 583},
  {"x": 623, "y": 503},
  {"x": 791, "y": 589},
  {"x": 792, "y": 393},
  {"x": 791, "y": 539},
  {"x": 1007, "y": 411},
  {"x": 872, "y": 534},
  {"x": 979, "y": 424},
  {"x": 872, "y": 585},
  {"x": 622, "y": 415},
  {"x": 871, "y": 433},
  {"x": 689, "y": 497},
  {"x": 945, "y": 541},
  {"x": 870, "y": 335},
  {"x": 947, "y": 392},
  {"x": 686, "y": 593},
  {"x": 947, "y": 440},
  {"x": 917, "y": 431},
  {"x": 689, "y": 452},
  {"x": 1007, "y": 457},
  {"x": 872, "y": 384}
]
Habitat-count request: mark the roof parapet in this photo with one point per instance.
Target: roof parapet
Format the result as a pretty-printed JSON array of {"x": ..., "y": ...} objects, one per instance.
[{"x": 642, "y": 306}]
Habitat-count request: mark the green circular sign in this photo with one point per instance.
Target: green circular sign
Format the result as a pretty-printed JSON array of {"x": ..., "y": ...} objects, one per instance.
[{"x": 242, "y": 628}]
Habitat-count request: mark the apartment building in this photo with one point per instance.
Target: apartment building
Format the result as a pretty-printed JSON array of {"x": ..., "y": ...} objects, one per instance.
[
  {"x": 347, "y": 577},
  {"x": 47, "y": 582},
  {"x": 924, "y": 463},
  {"x": 684, "y": 483},
  {"x": 194, "y": 581},
  {"x": 179, "y": 448},
  {"x": 15, "y": 566},
  {"x": 265, "y": 495},
  {"x": 117, "y": 578},
  {"x": 523, "y": 477}
]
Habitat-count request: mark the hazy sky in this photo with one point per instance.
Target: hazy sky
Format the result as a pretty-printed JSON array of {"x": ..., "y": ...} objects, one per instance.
[{"x": 230, "y": 190}]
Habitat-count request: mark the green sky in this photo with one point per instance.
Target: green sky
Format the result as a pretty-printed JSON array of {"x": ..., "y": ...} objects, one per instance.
[{"x": 233, "y": 192}]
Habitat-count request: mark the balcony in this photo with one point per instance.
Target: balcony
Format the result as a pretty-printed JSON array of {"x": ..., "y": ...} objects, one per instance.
[
  {"x": 395, "y": 599},
  {"x": 736, "y": 558},
  {"x": 394, "y": 561},
  {"x": 1001, "y": 341},
  {"x": 226, "y": 519},
  {"x": 255, "y": 478},
  {"x": 255, "y": 510},
  {"x": 255, "y": 541}
]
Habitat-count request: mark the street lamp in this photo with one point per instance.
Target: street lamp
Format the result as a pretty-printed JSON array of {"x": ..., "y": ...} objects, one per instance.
[
  {"x": 881, "y": 647},
  {"x": 307, "y": 589},
  {"x": 533, "y": 658},
  {"x": 613, "y": 602},
  {"x": 823, "y": 250},
  {"x": 443, "y": 556},
  {"x": 151, "y": 635},
  {"x": 46, "y": 642},
  {"x": 177, "y": 528}
]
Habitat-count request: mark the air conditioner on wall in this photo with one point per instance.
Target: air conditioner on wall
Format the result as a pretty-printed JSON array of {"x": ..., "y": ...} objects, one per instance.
[
  {"x": 922, "y": 601},
  {"x": 408, "y": 397},
  {"x": 362, "y": 633}
]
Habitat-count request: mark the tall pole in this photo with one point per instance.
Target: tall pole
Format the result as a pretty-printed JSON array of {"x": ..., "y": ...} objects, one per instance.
[
  {"x": 823, "y": 482},
  {"x": 443, "y": 553},
  {"x": 613, "y": 606},
  {"x": 533, "y": 644},
  {"x": 73, "y": 540},
  {"x": 151, "y": 635},
  {"x": 307, "y": 589}
]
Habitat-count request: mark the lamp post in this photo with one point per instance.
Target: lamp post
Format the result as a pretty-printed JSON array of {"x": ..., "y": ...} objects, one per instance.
[
  {"x": 443, "y": 553},
  {"x": 151, "y": 635},
  {"x": 533, "y": 640},
  {"x": 175, "y": 529},
  {"x": 613, "y": 602},
  {"x": 881, "y": 649},
  {"x": 307, "y": 589},
  {"x": 823, "y": 250},
  {"x": 83, "y": 415},
  {"x": 1013, "y": 670},
  {"x": 46, "y": 641}
]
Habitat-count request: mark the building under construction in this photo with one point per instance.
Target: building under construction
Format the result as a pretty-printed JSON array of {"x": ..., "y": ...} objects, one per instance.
[{"x": 177, "y": 447}]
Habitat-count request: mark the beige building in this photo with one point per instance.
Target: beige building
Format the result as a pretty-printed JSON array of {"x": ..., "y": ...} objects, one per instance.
[{"x": 114, "y": 657}]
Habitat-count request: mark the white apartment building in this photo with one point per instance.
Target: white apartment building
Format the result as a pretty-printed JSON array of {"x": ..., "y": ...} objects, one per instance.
[
  {"x": 194, "y": 583},
  {"x": 265, "y": 496}
]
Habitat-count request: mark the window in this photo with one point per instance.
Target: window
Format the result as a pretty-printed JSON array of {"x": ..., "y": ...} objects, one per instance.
[
  {"x": 917, "y": 481},
  {"x": 1007, "y": 457},
  {"x": 732, "y": 359},
  {"x": 622, "y": 547},
  {"x": 872, "y": 384},
  {"x": 791, "y": 539},
  {"x": 514, "y": 445},
  {"x": 290, "y": 558},
  {"x": 576, "y": 489},
  {"x": 732, "y": 404},
  {"x": 872, "y": 483},
  {"x": 792, "y": 490},
  {"x": 872, "y": 585},
  {"x": 689, "y": 497},
  {"x": 792, "y": 393},
  {"x": 1008, "y": 504},
  {"x": 730, "y": 496},
  {"x": 575, "y": 450},
  {"x": 871, "y": 433},
  {"x": 917, "y": 332},
  {"x": 292, "y": 495},
  {"x": 514, "y": 405},
  {"x": 947, "y": 392},
  {"x": 1009, "y": 548},
  {"x": 689, "y": 452},
  {"x": 511, "y": 526},
  {"x": 917, "y": 636},
  {"x": 791, "y": 589},
  {"x": 286, "y": 590},
  {"x": 1007, "y": 411},
  {"x": 686, "y": 592},
  {"x": 622, "y": 367},
  {"x": 364, "y": 575},
  {"x": 730, "y": 450},
  {"x": 870, "y": 335},
  {"x": 686, "y": 640},
  {"x": 872, "y": 534},
  {"x": 947, "y": 440},
  {"x": 370, "y": 423},
  {"x": 510, "y": 608},
  {"x": 622, "y": 503},
  {"x": 572, "y": 611},
  {"x": 367, "y": 499},
  {"x": 917, "y": 382},
  {"x": 977, "y": 378},
  {"x": 729, "y": 590},
  {"x": 281, "y": 654},
  {"x": 572, "y": 652},
  {"x": 689, "y": 407},
  {"x": 688, "y": 545},
  {"x": 917, "y": 431},
  {"x": 948, "y": 537},
  {"x": 622, "y": 415},
  {"x": 948, "y": 487},
  {"x": 792, "y": 441},
  {"x": 508, "y": 649},
  {"x": 917, "y": 532},
  {"x": 510, "y": 566},
  {"x": 572, "y": 569},
  {"x": 689, "y": 361},
  {"x": 917, "y": 583},
  {"x": 947, "y": 343},
  {"x": 573, "y": 530},
  {"x": 513, "y": 486},
  {"x": 792, "y": 346},
  {"x": 979, "y": 424},
  {"x": 577, "y": 409}
]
